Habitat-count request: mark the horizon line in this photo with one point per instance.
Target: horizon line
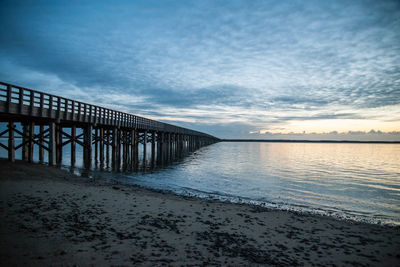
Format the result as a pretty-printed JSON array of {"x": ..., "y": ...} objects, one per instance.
[{"x": 307, "y": 141}]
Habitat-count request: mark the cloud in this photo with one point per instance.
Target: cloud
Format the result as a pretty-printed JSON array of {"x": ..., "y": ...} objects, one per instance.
[{"x": 256, "y": 63}]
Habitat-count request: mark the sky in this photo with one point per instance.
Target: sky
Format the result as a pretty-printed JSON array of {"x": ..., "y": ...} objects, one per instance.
[{"x": 234, "y": 69}]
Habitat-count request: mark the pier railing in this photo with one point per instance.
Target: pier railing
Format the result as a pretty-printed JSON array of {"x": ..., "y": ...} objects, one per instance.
[
  {"x": 43, "y": 118},
  {"x": 27, "y": 102}
]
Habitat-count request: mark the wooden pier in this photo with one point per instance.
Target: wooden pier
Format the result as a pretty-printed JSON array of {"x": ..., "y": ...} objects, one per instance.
[{"x": 108, "y": 137}]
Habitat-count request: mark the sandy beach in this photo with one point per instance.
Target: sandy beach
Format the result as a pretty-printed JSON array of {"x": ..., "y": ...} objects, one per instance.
[{"x": 50, "y": 217}]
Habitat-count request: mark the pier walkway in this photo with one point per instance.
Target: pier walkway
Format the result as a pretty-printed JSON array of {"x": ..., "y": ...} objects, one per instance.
[{"x": 52, "y": 122}]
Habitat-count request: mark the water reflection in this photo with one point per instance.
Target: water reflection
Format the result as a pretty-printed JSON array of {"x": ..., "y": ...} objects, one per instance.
[{"x": 356, "y": 180}]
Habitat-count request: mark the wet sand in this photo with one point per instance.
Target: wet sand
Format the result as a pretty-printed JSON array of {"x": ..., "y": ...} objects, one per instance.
[{"x": 51, "y": 217}]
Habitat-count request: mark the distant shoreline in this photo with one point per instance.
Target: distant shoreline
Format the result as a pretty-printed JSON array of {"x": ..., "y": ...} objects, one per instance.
[{"x": 308, "y": 141}]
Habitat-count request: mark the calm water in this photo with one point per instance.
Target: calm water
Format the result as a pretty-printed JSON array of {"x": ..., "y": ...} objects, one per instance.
[{"x": 355, "y": 181}]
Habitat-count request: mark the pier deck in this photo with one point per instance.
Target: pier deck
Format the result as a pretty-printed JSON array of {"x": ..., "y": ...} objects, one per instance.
[{"x": 51, "y": 122}]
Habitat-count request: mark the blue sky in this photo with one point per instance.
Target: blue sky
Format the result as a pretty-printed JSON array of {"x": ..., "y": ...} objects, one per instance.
[{"x": 235, "y": 69}]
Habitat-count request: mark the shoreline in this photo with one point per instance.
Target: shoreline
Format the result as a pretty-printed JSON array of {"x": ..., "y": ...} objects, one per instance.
[
  {"x": 267, "y": 206},
  {"x": 52, "y": 217}
]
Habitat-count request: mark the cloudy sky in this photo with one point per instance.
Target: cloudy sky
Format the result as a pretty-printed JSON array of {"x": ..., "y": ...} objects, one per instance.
[{"x": 235, "y": 69}]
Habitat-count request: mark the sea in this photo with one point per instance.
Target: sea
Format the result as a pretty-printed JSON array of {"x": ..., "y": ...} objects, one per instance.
[{"x": 353, "y": 181}]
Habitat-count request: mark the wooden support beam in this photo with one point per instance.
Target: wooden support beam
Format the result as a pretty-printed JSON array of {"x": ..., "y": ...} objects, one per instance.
[
  {"x": 114, "y": 148},
  {"x": 118, "y": 159},
  {"x": 170, "y": 146},
  {"x": 52, "y": 143},
  {"x": 31, "y": 134},
  {"x": 87, "y": 149},
  {"x": 136, "y": 147},
  {"x": 101, "y": 147},
  {"x": 11, "y": 141},
  {"x": 24, "y": 142},
  {"x": 96, "y": 146},
  {"x": 59, "y": 144},
  {"x": 108, "y": 149},
  {"x": 73, "y": 145},
  {"x": 153, "y": 145},
  {"x": 124, "y": 148},
  {"x": 132, "y": 148},
  {"x": 41, "y": 141},
  {"x": 144, "y": 146}
]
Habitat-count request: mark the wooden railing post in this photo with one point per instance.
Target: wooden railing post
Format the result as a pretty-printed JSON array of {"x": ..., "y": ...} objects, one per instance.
[
  {"x": 79, "y": 111},
  {"x": 58, "y": 108},
  {"x": 9, "y": 97},
  {"x": 90, "y": 113},
  {"x": 31, "y": 102},
  {"x": 41, "y": 104},
  {"x": 50, "y": 113},
  {"x": 21, "y": 100},
  {"x": 66, "y": 109},
  {"x": 73, "y": 110},
  {"x": 84, "y": 112}
]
